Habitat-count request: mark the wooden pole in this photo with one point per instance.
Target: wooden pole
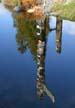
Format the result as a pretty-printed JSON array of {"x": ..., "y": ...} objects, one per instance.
[{"x": 58, "y": 34}]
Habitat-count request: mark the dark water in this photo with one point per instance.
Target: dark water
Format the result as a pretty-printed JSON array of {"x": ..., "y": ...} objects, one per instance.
[{"x": 20, "y": 63}]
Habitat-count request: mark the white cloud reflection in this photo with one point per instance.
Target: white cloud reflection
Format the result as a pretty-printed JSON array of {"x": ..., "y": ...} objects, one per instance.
[{"x": 69, "y": 27}]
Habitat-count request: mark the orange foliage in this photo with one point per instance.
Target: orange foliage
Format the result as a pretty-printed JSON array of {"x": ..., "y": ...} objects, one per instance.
[{"x": 28, "y": 1}]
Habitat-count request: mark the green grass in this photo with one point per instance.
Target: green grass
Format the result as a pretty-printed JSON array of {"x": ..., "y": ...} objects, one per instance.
[{"x": 67, "y": 11}]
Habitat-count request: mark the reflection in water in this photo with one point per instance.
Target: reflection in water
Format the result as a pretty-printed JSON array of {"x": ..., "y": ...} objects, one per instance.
[
  {"x": 25, "y": 37},
  {"x": 14, "y": 79},
  {"x": 41, "y": 53},
  {"x": 26, "y": 34},
  {"x": 22, "y": 46},
  {"x": 58, "y": 34},
  {"x": 32, "y": 34}
]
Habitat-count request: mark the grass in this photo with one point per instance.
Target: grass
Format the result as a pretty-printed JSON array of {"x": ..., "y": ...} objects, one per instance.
[{"x": 67, "y": 11}]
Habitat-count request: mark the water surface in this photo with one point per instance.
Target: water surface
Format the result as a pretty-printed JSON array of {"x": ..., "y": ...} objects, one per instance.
[{"x": 18, "y": 62}]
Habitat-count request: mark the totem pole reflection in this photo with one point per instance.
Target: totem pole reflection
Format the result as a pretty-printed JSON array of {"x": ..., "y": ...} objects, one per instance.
[{"x": 41, "y": 53}]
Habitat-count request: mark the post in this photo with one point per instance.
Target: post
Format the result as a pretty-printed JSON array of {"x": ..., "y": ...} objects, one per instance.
[{"x": 58, "y": 34}]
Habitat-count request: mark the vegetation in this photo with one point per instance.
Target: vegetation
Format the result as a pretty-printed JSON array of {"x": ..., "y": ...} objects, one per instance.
[
  {"x": 26, "y": 34},
  {"x": 66, "y": 11},
  {"x": 19, "y": 2},
  {"x": 11, "y": 2}
]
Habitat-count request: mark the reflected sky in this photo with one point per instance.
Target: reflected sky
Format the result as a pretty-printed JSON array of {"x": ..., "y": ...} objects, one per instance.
[
  {"x": 3, "y": 11},
  {"x": 18, "y": 71},
  {"x": 69, "y": 27}
]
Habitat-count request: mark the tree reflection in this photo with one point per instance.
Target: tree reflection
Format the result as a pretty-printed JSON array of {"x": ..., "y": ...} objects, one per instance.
[
  {"x": 41, "y": 53},
  {"x": 28, "y": 37},
  {"x": 26, "y": 33},
  {"x": 22, "y": 46},
  {"x": 31, "y": 33}
]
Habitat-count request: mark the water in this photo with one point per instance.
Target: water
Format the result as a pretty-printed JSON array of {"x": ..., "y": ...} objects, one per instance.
[{"x": 19, "y": 75}]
